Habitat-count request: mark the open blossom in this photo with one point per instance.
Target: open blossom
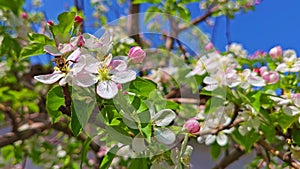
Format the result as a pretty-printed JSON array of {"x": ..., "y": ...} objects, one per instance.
[
  {"x": 294, "y": 110},
  {"x": 109, "y": 74},
  {"x": 290, "y": 62},
  {"x": 136, "y": 54},
  {"x": 275, "y": 52},
  {"x": 237, "y": 49},
  {"x": 192, "y": 126},
  {"x": 64, "y": 72}
]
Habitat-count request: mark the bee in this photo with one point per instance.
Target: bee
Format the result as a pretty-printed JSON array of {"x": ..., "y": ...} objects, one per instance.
[{"x": 60, "y": 62}]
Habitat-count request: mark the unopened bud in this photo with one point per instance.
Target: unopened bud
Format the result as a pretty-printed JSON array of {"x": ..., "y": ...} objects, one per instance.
[
  {"x": 192, "y": 126},
  {"x": 78, "y": 19},
  {"x": 50, "y": 23},
  {"x": 137, "y": 54}
]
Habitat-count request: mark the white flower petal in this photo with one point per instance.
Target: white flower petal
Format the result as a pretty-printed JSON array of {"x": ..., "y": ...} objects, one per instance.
[
  {"x": 222, "y": 139},
  {"x": 209, "y": 80},
  {"x": 74, "y": 56},
  {"x": 49, "y": 78},
  {"x": 118, "y": 65},
  {"x": 107, "y": 89},
  {"x": 85, "y": 79},
  {"x": 124, "y": 77},
  {"x": 211, "y": 87},
  {"x": 210, "y": 139},
  {"x": 282, "y": 68}
]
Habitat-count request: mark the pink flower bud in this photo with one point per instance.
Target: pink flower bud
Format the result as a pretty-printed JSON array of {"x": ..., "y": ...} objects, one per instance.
[
  {"x": 119, "y": 86},
  {"x": 136, "y": 54},
  {"x": 276, "y": 52},
  {"x": 209, "y": 46},
  {"x": 80, "y": 41},
  {"x": 50, "y": 23},
  {"x": 271, "y": 77},
  {"x": 78, "y": 19},
  {"x": 263, "y": 70},
  {"x": 192, "y": 126},
  {"x": 24, "y": 15}
]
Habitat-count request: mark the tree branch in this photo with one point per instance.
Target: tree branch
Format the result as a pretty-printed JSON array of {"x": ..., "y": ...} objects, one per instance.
[
  {"x": 12, "y": 115},
  {"x": 288, "y": 159},
  {"x": 197, "y": 20},
  {"x": 227, "y": 160}
]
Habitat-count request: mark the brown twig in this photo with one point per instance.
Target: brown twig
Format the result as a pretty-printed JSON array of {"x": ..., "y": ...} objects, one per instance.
[
  {"x": 134, "y": 23},
  {"x": 12, "y": 116},
  {"x": 288, "y": 159},
  {"x": 227, "y": 160},
  {"x": 66, "y": 109}
]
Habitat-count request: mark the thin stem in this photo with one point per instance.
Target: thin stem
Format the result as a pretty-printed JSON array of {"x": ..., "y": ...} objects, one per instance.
[{"x": 67, "y": 108}]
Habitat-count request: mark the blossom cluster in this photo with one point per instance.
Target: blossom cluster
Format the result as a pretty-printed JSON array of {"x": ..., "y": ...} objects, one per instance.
[
  {"x": 230, "y": 70},
  {"x": 86, "y": 60}
]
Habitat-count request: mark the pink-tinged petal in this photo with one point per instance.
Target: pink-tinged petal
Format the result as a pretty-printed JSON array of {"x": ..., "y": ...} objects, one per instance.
[
  {"x": 107, "y": 89},
  {"x": 88, "y": 63},
  {"x": 136, "y": 54},
  {"x": 118, "y": 65},
  {"x": 124, "y": 77},
  {"x": 84, "y": 79},
  {"x": 296, "y": 99},
  {"x": 74, "y": 56},
  {"x": 282, "y": 68},
  {"x": 52, "y": 50},
  {"x": 65, "y": 48},
  {"x": 275, "y": 52},
  {"x": 49, "y": 78}
]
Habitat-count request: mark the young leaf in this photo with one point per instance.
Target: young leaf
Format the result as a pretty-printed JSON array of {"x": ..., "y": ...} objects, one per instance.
[
  {"x": 142, "y": 87},
  {"x": 164, "y": 135},
  {"x": 164, "y": 117},
  {"x": 54, "y": 100},
  {"x": 139, "y": 163},
  {"x": 108, "y": 158}
]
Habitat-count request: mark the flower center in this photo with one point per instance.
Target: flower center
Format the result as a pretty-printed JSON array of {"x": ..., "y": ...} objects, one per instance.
[
  {"x": 62, "y": 64},
  {"x": 104, "y": 73}
]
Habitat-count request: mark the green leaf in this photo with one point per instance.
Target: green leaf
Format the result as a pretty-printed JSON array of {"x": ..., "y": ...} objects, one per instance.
[
  {"x": 269, "y": 132},
  {"x": 255, "y": 100},
  {"x": 246, "y": 140},
  {"x": 75, "y": 124},
  {"x": 184, "y": 12},
  {"x": 142, "y": 87},
  {"x": 108, "y": 158},
  {"x": 32, "y": 50},
  {"x": 13, "y": 5},
  {"x": 146, "y": 1},
  {"x": 284, "y": 120},
  {"x": 215, "y": 151},
  {"x": 36, "y": 45},
  {"x": 7, "y": 152},
  {"x": 55, "y": 99},
  {"x": 147, "y": 131},
  {"x": 84, "y": 151},
  {"x": 151, "y": 12},
  {"x": 40, "y": 38},
  {"x": 139, "y": 163},
  {"x": 83, "y": 104},
  {"x": 64, "y": 27},
  {"x": 296, "y": 136}
]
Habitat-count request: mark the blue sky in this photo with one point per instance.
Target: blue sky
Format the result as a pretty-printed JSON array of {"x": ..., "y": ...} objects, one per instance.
[{"x": 274, "y": 22}]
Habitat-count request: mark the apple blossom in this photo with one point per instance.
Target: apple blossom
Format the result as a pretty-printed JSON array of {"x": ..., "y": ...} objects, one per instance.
[
  {"x": 275, "y": 52},
  {"x": 109, "y": 74},
  {"x": 136, "y": 54},
  {"x": 237, "y": 49},
  {"x": 64, "y": 73},
  {"x": 192, "y": 126},
  {"x": 290, "y": 62}
]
